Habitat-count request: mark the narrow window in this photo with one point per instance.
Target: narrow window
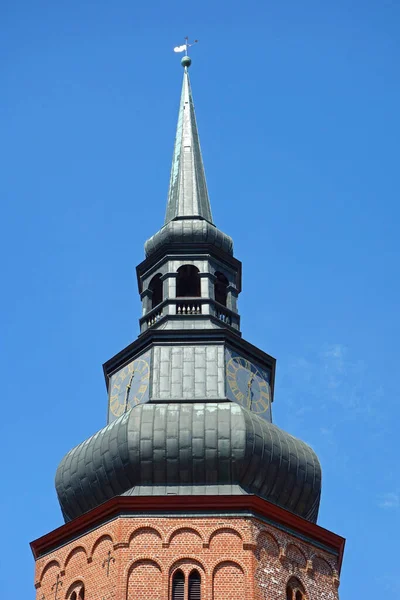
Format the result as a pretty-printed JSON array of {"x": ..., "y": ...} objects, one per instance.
[
  {"x": 73, "y": 596},
  {"x": 220, "y": 288},
  {"x": 178, "y": 586},
  {"x": 81, "y": 594},
  {"x": 194, "y": 586},
  {"x": 295, "y": 590},
  {"x": 156, "y": 287},
  {"x": 188, "y": 282}
]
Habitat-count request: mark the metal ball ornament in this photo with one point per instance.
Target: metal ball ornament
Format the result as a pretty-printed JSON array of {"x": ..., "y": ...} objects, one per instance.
[{"x": 186, "y": 61}]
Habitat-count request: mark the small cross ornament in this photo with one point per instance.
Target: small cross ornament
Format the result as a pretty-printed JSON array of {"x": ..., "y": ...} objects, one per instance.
[
  {"x": 107, "y": 561},
  {"x": 55, "y": 586}
]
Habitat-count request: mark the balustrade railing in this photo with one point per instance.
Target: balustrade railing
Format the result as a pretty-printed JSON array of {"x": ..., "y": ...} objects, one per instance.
[
  {"x": 188, "y": 308},
  {"x": 223, "y": 316},
  {"x": 153, "y": 318},
  {"x": 191, "y": 307}
]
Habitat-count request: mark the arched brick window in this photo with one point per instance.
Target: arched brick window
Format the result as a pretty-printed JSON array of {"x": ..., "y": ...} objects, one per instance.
[
  {"x": 178, "y": 586},
  {"x": 78, "y": 591},
  {"x": 194, "y": 586},
  {"x": 220, "y": 288},
  {"x": 156, "y": 286},
  {"x": 188, "y": 282},
  {"x": 295, "y": 590}
]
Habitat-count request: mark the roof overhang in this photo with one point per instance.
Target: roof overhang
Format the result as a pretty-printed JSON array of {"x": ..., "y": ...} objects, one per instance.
[{"x": 190, "y": 506}]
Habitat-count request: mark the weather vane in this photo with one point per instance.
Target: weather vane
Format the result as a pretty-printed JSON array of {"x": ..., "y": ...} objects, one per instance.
[
  {"x": 185, "y": 46},
  {"x": 186, "y": 61}
]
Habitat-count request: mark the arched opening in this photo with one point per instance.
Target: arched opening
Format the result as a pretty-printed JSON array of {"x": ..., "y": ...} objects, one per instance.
[
  {"x": 178, "y": 586},
  {"x": 194, "y": 586},
  {"x": 188, "y": 282},
  {"x": 295, "y": 590},
  {"x": 78, "y": 591},
  {"x": 220, "y": 288},
  {"x": 156, "y": 287}
]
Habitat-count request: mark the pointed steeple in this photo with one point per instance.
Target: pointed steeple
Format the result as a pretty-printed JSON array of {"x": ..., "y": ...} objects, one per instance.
[{"x": 187, "y": 196}]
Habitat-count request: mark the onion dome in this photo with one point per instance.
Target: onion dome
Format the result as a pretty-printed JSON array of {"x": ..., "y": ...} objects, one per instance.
[
  {"x": 215, "y": 448},
  {"x": 189, "y": 231}
]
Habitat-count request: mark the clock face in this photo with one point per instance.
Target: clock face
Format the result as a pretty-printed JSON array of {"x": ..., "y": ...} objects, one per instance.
[
  {"x": 248, "y": 384},
  {"x": 129, "y": 386}
]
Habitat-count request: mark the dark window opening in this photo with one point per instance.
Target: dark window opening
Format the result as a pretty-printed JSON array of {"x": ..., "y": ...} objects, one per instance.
[
  {"x": 294, "y": 590},
  {"x": 188, "y": 282},
  {"x": 78, "y": 593},
  {"x": 156, "y": 286},
  {"x": 220, "y": 288},
  {"x": 194, "y": 586},
  {"x": 178, "y": 586}
]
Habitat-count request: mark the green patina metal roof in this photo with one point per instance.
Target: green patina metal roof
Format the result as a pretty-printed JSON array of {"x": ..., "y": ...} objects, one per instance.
[
  {"x": 195, "y": 448},
  {"x": 188, "y": 195}
]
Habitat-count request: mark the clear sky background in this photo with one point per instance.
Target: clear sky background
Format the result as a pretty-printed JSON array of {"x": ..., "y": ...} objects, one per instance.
[{"x": 298, "y": 110}]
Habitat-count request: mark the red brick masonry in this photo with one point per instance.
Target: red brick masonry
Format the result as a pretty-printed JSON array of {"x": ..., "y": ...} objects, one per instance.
[{"x": 242, "y": 546}]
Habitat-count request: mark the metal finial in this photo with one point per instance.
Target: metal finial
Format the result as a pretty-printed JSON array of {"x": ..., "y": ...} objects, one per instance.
[{"x": 186, "y": 60}]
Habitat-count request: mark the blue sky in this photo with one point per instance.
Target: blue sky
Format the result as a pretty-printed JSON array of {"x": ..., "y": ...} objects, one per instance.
[{"x": 297, "y": 106}]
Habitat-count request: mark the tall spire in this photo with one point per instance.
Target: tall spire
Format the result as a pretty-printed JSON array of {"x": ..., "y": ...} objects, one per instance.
[{"x": 187, "y": 196}]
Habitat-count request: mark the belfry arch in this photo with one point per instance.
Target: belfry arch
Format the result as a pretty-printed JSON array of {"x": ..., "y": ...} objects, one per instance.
[{"x": 188, "y": 282}]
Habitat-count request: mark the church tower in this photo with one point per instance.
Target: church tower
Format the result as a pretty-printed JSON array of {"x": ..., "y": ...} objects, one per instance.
[{"x": 190, "y": 492}]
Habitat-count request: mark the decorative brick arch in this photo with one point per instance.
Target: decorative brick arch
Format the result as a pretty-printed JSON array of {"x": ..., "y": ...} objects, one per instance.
[
  {"x": 102, "y": 538},
  {"x": 186, "y": 564},
  {"x": 149, "y": 576},
  {"x": 321, "y": 566},
  {"x": 224, "y": 530},
  {"x": 147, "y": 529},
  {"x": 179, "y": 530},
  {"x": 142, "y": 557},
  {"x": 228, "y": 575},
  {"x": 268, "y": 543},
  {"x": 294, "y": 554},
  {"x": 73, "y": 553},
  {"x": 77, "y": 584},
  {"x": 47, "y": 567},
  {"x": 228, "y": 559}
]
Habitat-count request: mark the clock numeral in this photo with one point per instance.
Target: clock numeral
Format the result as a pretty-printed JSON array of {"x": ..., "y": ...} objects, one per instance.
[
  {"x": 142, "y": 389},
  {"x": 264, "y": 403},
  {"x": 233, "y": 366}
]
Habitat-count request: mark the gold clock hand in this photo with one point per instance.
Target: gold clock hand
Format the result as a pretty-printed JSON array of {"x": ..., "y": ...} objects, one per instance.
[
  {"x": 249, "y": 384},
  {"x": 128, "y": 389}
]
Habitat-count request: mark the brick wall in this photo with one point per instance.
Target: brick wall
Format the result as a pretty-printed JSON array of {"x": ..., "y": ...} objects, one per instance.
[{"x": 133, "y": 558}]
